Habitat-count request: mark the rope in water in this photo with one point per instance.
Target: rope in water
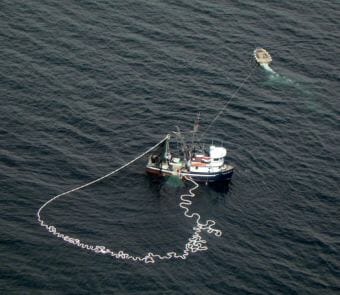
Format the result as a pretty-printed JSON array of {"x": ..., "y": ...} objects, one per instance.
[{"x": 194, "y": 244}]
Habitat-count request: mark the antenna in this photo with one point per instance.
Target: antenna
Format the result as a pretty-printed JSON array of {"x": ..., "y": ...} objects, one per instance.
[{"x": 195, "y": 129}]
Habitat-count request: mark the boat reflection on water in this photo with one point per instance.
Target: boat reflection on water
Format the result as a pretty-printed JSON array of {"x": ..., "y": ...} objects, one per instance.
[{"x": 175, "y": 182}]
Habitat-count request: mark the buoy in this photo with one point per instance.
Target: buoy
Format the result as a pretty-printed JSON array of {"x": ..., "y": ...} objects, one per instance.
[{"x": 262, "y": 56}]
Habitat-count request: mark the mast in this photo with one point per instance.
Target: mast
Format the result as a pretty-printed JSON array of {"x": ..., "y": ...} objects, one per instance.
[
  {"x": 166, "y": 150},
  {"x": 183, "y": 145},
  {"x": 165, "y": 153}
]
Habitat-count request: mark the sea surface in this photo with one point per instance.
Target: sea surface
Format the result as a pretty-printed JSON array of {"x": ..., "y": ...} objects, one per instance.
[{"x": 86, "y": 86}]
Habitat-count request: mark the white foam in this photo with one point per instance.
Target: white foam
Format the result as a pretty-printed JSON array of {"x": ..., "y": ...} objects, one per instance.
[{"x": 268, "y": 68}]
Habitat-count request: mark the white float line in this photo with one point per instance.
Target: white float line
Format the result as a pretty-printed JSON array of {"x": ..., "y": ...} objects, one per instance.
[{"x": 194, "y": 243}]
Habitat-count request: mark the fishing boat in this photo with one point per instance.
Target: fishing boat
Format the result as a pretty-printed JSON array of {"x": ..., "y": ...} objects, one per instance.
[{"x": 202, "y": 163}]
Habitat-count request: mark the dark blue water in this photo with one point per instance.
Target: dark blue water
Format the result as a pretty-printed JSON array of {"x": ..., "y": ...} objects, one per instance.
[{"x": 86, "y": 86}]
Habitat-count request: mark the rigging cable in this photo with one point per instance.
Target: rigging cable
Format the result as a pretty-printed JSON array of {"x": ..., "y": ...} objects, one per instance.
[
  {"x": 228, "y": 102},
  {"x": 194, "y": 244}
]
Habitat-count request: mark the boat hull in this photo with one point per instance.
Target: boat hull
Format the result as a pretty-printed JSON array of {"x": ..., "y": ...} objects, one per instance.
[
  {"x": 223, "y": 176},
  {"x": 262, "y": 56}
]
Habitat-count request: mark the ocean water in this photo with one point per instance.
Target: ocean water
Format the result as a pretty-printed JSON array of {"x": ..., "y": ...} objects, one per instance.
[{"x": 86, "y": 86}]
